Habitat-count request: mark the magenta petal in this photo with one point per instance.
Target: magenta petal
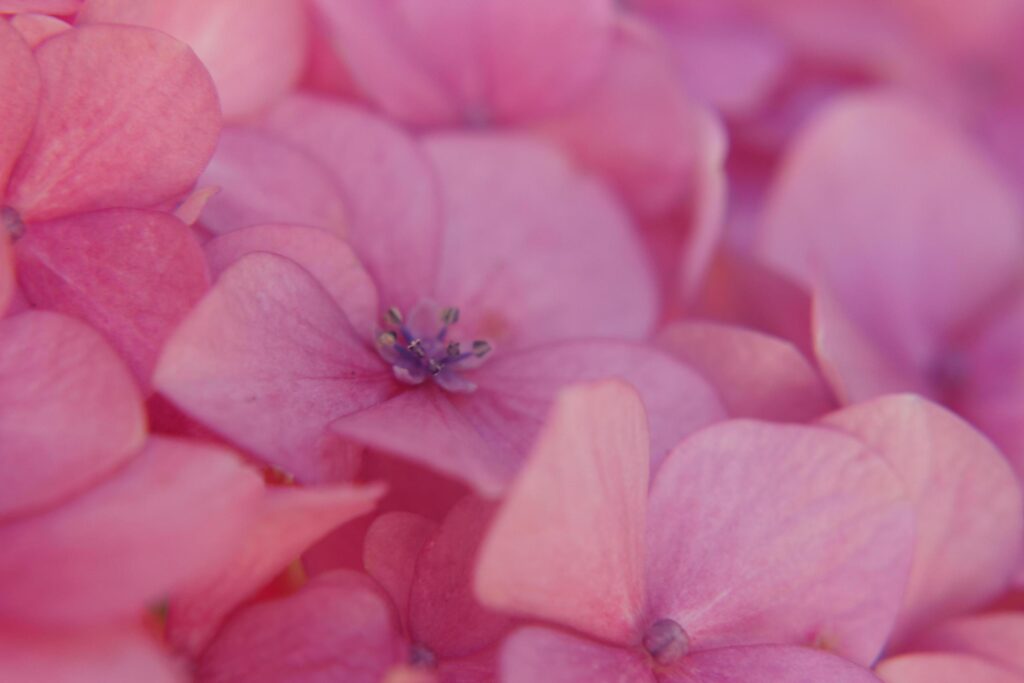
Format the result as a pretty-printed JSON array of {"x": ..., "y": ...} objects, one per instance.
[
  {"x": 540, "y": 654},
  {"x": 444, "y": 614},
  {"x": 970, "y": 522},
  {"x": 61, "y": 7},
  {"x": 767, "y": 664},
  {"x": 389, "y": 189},
  {"x": 287, "y": 522},
  {"x": 131, "y": 274},
  {"x": 20, "y": 84},
  {"x": 175, "y": 510},
  {"x": 328, "y": 259},
  {"x": 268, "y": 360},
  {"x": 95, "y": 656},
  {"x": 255, "y": 49},
  {"x": 944, "y": 668},
  {"x": 393, "y": 544},
  {"x": 520, "y": 223},
  {"x": 129, "y": 117},
  {"x": 71, "y": 412},
  {"x": 7, "y": 285},
  {"x": 482, "y": 437},
  {"x": 755, "y": 374},
  {"x": 567, "y": 544},
  {"x": 824, "y": 560},
  {"x": 265, "y": 179},
  {"x": 337, "y": 628}
]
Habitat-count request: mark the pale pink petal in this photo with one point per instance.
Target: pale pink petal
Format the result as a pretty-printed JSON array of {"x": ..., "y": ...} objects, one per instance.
[
  {"x": 567, "y": 544},
  {"x": 444, "y": 615},
  {"x": 287, "y": 522},
  {"x": 520, "y": 223},
  {"x": 410, "y": 674},
  {"x": 268, "y": 360},
  {"x": 328, "y": 259},
  {"x": 636, "y": 128},
  {"x": 337, "y": 628},
  {"x": 20, "y": 84},
  {"x": 71, "y": 410},
  {"x": 755, "y": 374},
  {"x": 768, "y": 533},
  {"x": 35, "y": 28},
  {"x": 265, "y": 179},
  {"x": 482, "y": 437},
  {"x": 458, "y": 61},
  {"x": 873, "y": 170},
  {"x": 389, "y": 189},
  {"x": 7, "y": 285},
  {"x": 996, "y": 637},
  {"x": 970, "y": 522},
  {"x": 95, "y": 656},
  {"x": 541, "y": 654},
  {"x": 392, "y": 546},
  {"x": 855, "y": 365},
  {"x": 128, "y": 117},
  {"x": 944, "y": 668},
  {"x": 132, "y": 274},
  {"x": 62, "y": 7},
  {"x": 767, "y": 664},
  {"x": 176, "y": 510},
  {"x": 255, "y": 49}
]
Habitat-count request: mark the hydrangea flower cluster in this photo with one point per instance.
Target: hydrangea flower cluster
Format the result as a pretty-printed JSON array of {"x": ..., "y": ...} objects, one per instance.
[{"x": 511, "y": 341}]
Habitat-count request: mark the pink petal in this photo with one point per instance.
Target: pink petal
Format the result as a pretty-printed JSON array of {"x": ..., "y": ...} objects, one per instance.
[
  {"x": 995, "y": 637},
  {"x": 389, "y": 189},
  {"x": 95, "y": 656},
  {"x": 255, "y": 49},
  {"x": 567, "y": 544},
  {"x": 444, "y": 615},
  {"x": 71, "y": 410},
  {"x": 541, "y": 654},
  {"x": 943, "y": 668},
  {"x": 266, "y": 179},
  {"x": 337, "y": 628},
  {"x": 35, "y": 28},
  {"x": 539, "y": 214},
  {"x": 767, "y": 664},
  {"x": 635, "y": 128},
  {"x": 852, "y": 182},
  {"x": 286, "y": 523},
  {"x": 7, "y": 285},
  {"x": 328, "y": 259},
  {"x": 755, "y": 374},
  {"x": 496, "y": 60},
  {"x": 766, "y": 533},
  {"x": 482, "y": 437},
  {"x": 133, "y": 275},
  {"x": 128, "y": 117},
  {"x": 174, "y": 511},
  {"x": 20, "y": 84},
  {"x": 268, "y": 360},
  {"x": 970, "y": 521},
  {"x": 62, "y": 7},
  {"x": 392, "y": 546}
]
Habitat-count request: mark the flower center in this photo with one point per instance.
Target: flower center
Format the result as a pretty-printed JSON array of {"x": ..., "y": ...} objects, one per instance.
[
  {"x": 421, "y": 656},
  {"x": 418, "y": 348},
  {"x": 666, "y": 641},
  {"x": 11, "y": 221}
]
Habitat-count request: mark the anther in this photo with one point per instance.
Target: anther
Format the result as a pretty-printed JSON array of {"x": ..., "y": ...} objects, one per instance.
[
  {"x": 394, "y": 316},
  {"x": 481, "y": 348},
  {"x": 416, "y": 347},
  {"x": 387, "y": 339},
  {"x": 453, "y": 349},
  {"x": 666, "y": 641},
  {"x": 449, "y": 315}
]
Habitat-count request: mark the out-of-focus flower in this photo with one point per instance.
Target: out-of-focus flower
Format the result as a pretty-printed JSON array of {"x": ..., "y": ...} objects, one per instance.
[{"x": 752, "y": 539}]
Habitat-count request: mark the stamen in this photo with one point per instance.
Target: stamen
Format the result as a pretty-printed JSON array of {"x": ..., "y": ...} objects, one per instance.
[
  {"x": 481, "y": 348},
  {"x": 387, "y": 339},
  {"x": 666, "y": 641},
  {"x": 394, "y": 316},
  {"x": 450, "y": 315},
  {"x": 416, "y": 346},
  {"x": 11, "y": 220},
  {"x": 453, "y": 350}
]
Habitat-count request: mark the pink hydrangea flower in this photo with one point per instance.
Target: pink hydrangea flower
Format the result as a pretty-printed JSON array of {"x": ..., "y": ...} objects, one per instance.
[{"x": 751, "y": 541}]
